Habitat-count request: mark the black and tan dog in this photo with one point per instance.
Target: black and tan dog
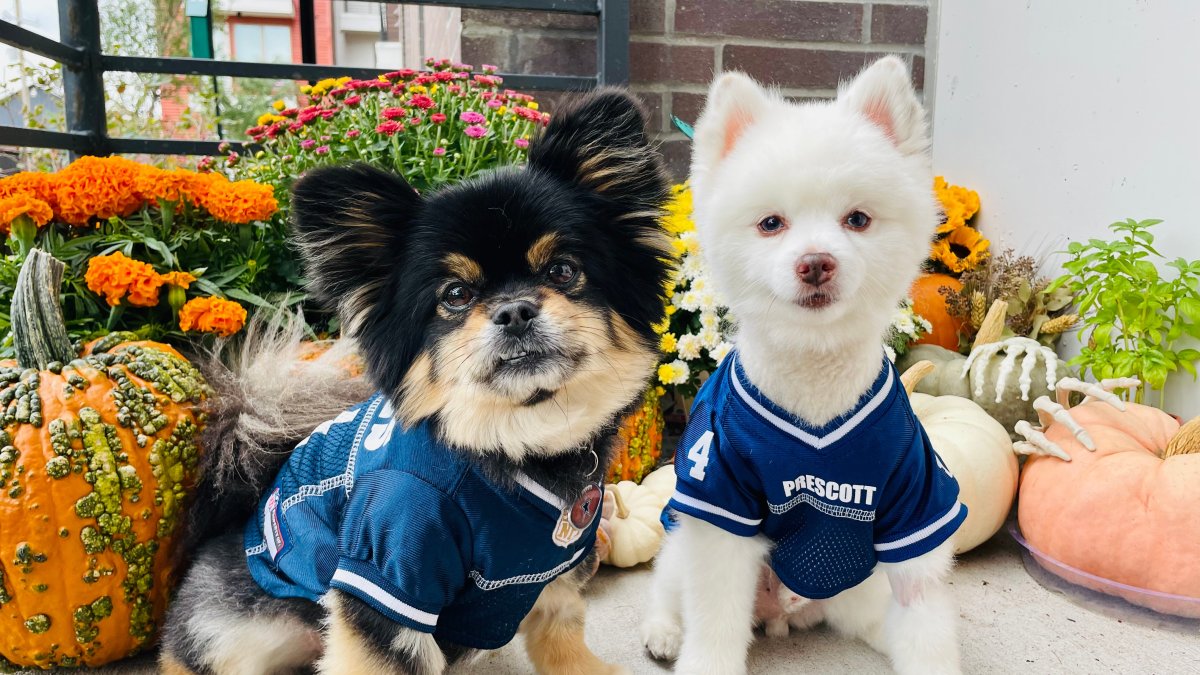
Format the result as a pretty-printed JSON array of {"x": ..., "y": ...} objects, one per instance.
[{"x": 506, "y": 322}]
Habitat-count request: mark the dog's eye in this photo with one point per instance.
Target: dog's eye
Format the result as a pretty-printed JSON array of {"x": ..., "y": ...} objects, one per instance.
[
  {"x": 457, "y": 296},
  {"x": 771, "y": 225},
  {"x": 561, "y": 272},
  {"x": 857, "y": 220}
]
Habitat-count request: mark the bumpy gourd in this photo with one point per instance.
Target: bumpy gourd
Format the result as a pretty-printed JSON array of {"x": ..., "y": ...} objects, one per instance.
[
  {"x": 98, "y": 452},
  {"x": 1004, "y": 377}
]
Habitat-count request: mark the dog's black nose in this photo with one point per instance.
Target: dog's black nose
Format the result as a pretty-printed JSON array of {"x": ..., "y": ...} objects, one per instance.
[
  {"x": 515, "y": 316},
  {"x": 816, "y": 269}
]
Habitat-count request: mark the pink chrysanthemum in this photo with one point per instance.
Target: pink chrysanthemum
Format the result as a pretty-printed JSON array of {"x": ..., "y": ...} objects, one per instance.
[
  {"x": 472, "y": 117},
  {"x": 476, "y": 131},
  {"x": 390, "y": 127},
  {"x": 439, "y": 151},
  {"x": 521, "y": 142}
]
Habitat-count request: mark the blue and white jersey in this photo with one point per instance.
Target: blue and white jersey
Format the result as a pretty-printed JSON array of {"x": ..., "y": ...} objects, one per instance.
[
  {"x": 865, "y": 488},
  {"x": 411, "y": 527}
]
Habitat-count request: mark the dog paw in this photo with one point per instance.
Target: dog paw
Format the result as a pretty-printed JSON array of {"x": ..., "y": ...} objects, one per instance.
[
  {"x": 776, "y": 628},
  {"x": 792, "y": 603},
  {"x": 662, "y": 638}
]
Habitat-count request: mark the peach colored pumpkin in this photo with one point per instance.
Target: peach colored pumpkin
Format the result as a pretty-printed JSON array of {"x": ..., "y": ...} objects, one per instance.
[{"x": 1121, "y": 513}]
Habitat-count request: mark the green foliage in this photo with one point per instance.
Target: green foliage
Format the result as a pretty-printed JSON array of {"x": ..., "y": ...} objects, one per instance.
[{"x": 1133, "y": 315}]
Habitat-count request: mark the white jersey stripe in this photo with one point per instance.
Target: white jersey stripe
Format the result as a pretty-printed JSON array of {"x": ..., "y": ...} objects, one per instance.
[
  {"x": 384, "y": 598},
  {"x": 486, "y": 584},
  {"x": 921, "y": 533},
  {"x": 817, "y": 442},
  {"x": 715, "y": 510},
  {"x": 538, "y": 491}
]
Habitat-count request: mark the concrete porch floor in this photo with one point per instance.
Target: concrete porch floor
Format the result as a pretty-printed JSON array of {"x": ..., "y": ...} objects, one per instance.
[{"x": 1010, "y": 624}]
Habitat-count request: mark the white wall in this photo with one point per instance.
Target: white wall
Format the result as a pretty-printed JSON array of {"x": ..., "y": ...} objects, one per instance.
[{"x": 1067, "y": 115}]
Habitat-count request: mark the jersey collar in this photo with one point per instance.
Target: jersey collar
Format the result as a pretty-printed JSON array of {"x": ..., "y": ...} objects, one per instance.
[{"x": 817, "y": 437}]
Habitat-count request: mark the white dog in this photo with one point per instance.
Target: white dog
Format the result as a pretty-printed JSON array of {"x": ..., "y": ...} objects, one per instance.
[{"x": 802, "y": 449}]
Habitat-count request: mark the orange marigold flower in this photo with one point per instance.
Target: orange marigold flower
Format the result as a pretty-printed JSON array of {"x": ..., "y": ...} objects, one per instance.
[
  {"x": 180, "y": 279},
  {"x": 98, "y": 187},
  {"x": 23, "y": 205},
  {"x": 32, "y": 183},
  {"x": 117, "y": 276},
  {"x": 212, "y": 315},
  {"x": 241, "y": 202}
]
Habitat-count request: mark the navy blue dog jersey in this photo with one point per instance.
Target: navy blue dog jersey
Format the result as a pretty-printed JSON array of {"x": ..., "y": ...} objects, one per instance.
[
  {"x": 865, "y": 487},
  {"x": 411, "y": 527}
]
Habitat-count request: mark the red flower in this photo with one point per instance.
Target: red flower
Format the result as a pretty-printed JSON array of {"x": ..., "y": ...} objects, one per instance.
[
  {"x": 443, "y": 76},
  {"x": 414, "y": 121},
  {"x": 437, "y": 118},
  {"x": 289, "y": 112},
  {"x": 389, "y": 128},
  {"x": 393, "y": 113},
  {"x": 327, "y": 114},
  {"x": 421, "y": 101},
  {"x": 353, "y": 100},
  {"x": 295, "y": 127}
]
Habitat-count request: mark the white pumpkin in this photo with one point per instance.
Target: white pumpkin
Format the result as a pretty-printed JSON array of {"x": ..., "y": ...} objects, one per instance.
[
  {"x": 633, "y": 517},
  {"x": 976, "y": 449}
]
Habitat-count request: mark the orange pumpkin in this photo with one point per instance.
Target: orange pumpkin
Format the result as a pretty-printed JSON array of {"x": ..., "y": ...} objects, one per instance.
[
  {"x": 639, "y": 441},
  {"x": 1122, "y": 513},
  {"x": 97, "y": 457},
  {"x": 929, "y": 303}
]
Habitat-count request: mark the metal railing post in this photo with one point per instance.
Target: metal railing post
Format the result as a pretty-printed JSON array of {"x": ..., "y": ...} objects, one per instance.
[
  {"x": 83, "y": 85},
  {"x": 612, "y": 48}
]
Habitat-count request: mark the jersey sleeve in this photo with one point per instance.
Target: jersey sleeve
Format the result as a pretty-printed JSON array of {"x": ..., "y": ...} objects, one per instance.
[
  {"x": 920, "y": 508},
  {"x": 404, "y": 548},
  {"x": 713, "y": 482}
]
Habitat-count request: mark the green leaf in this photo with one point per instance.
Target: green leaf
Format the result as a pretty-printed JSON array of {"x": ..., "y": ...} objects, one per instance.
[
  {"x": 161, "y": 249},
  {"x": 1188, "y": 355},
  {"x": 1190, "y": 308},
  {"x": 247, "y": 296}
]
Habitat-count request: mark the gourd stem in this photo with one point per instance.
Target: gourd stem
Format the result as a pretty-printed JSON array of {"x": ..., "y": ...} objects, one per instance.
[
  {"x": 1186, "y": 441},
  {"x": 915, "y": 373},
  {"x": 622, "y": 509},
  {"x": 39, "y": 330},
  {"x": 992, "y": 328}
]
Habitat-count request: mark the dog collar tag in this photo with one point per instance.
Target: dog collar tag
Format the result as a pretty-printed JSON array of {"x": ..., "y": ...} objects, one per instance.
[{"x": 577, "y": 517}]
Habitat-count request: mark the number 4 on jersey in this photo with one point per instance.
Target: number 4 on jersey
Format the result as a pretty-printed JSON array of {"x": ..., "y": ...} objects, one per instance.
[{"x": 698, "y": 455}]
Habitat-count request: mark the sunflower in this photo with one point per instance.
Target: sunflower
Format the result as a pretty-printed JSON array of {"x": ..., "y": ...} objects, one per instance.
[{"x": 962, "y": 250}]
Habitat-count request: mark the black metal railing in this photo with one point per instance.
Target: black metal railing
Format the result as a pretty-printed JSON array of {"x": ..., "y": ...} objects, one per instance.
[{"x": 84, "y": 65}]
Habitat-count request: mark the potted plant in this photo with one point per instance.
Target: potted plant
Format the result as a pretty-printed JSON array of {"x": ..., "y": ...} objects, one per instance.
[{"x": 1133, "y": 315}]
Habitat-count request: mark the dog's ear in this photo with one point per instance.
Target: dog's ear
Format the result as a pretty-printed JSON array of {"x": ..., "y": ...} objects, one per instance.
[
  {"x": 734, "y": 103},
  {"x": 349, "y": 224},
  {"x": 883, "y": 93},
  {"x": 599, "y": 142}
]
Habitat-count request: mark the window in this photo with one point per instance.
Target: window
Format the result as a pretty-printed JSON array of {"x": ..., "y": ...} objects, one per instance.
[{"x": 264, "y": 43}]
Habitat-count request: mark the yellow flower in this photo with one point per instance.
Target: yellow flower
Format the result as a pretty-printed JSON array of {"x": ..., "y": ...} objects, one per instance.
[
  {"x": 279, "y": 104},
  {"x": 501, "y": 110},
  {"x": 268, "y": 118},
  {"x": 667, "y": 343},
  {"x": 532, "y": 105},
  {"x": 661, "y": 326},
  {"x": 962, "y": 250},
  {"x": 671, "y": 309},
  {"x": 212, "y": 315},
  {"x": 305, "y": 89}
]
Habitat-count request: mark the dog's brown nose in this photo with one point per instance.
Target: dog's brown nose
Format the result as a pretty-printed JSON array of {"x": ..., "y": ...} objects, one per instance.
[{"x": 816, "y": 269}]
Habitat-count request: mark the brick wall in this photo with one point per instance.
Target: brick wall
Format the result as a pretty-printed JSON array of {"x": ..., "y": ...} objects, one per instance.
[{"x": 803, "y": 46}]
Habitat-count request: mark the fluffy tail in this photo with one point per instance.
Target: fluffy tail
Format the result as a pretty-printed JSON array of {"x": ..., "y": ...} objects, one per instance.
[{"x": 271, "y": 389}]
